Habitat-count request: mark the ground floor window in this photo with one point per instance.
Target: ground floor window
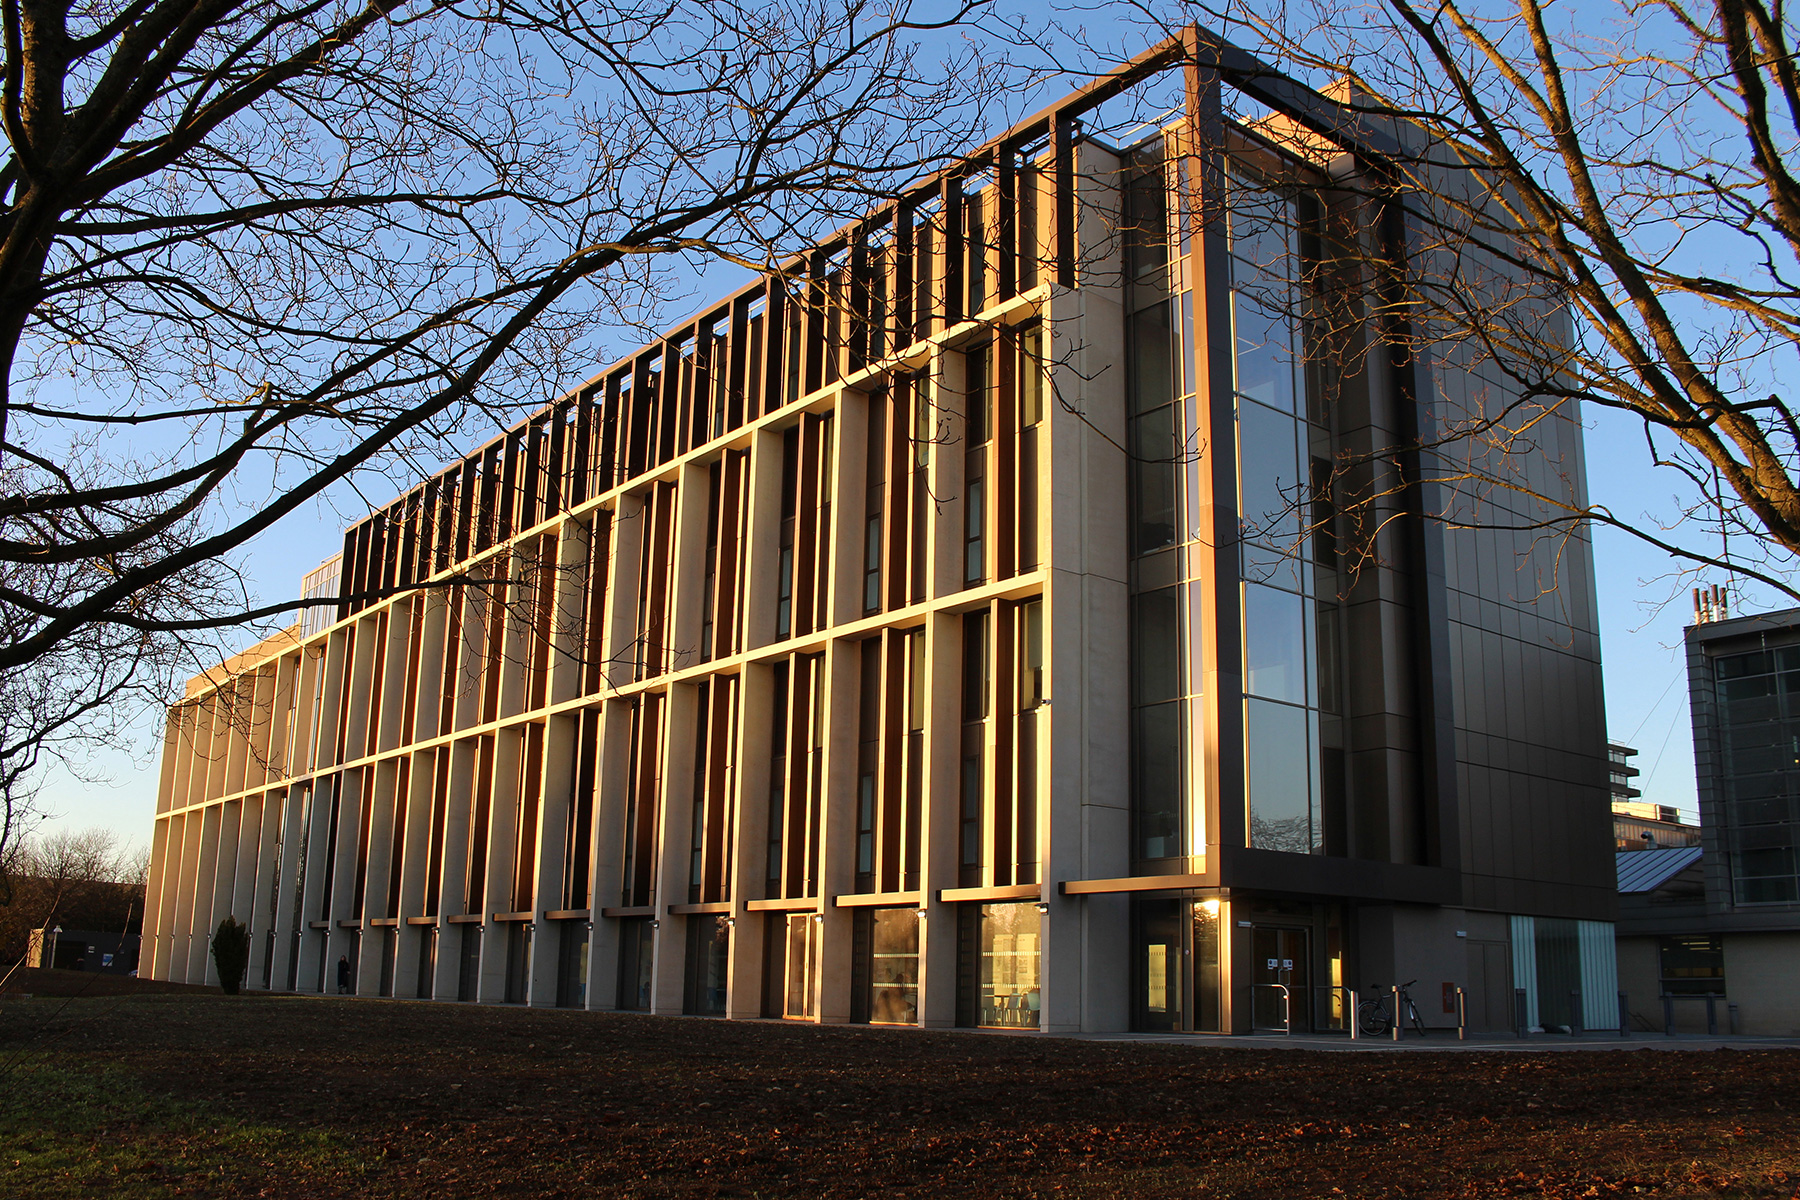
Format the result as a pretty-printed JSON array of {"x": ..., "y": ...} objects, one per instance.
[
  {"x": 708, "y": 962},
  {"x": 637, "y": 946},
  {"x": 1692, "y": 966},
  {"x": 886, "y": 966},
  {"x": 1000, "y": 957},
  {"x": 572, "y": 964}
]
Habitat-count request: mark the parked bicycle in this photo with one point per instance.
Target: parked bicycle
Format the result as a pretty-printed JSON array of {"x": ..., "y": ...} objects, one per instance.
[{"x": 1375, "y": 1016}]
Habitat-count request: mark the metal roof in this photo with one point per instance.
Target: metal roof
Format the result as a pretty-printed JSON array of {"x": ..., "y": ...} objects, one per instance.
[{"x": 1647, "y": 870}]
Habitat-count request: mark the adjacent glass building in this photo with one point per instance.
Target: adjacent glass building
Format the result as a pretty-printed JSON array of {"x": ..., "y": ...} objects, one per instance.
[{"x": 994, "y": 620}]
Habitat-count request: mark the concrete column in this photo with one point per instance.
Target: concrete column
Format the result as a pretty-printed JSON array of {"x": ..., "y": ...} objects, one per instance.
[
  {"x": 293, "y": 846},
  {"x": 243, "y": 868},
  {"x": 206, "y": 884},
  {"x": 353, "y": 793},
  {"x": 837, "y": 837},
  {"x": 944, "y": 519},
  {"x": 270, "y": 846},
  {"x": 1087, "y": 836},
  {"x": 381, "y": 798},
  {"x": 569, "y": 607},
  {"x": 612, "y": 781},
  {"x": 762, "y": 546},
  {"x": 674, "y": 845},
  {"x": 497, "y": 896},
  {"x": 161, "y": 878},
  {"x": 940, "y": 832},
  {"x": 622, "y": 594},
  {"x": 750, "y": 839},
  {"x": 415, "y": 862},
  {"x": 313, "y": 944},
  {"x": 849, "y": 506},
  {"x": 554, "y": 813}
]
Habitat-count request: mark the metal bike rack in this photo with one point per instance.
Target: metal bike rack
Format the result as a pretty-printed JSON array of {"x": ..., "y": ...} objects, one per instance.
[{"x": 1287, "y": 1019}]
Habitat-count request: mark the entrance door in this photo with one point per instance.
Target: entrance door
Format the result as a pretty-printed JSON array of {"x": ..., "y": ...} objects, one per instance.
[
  {"x": 1489, "y": 998},
  {"x": 802, "y": 941},
  {"x": 1281, "y": 957}
]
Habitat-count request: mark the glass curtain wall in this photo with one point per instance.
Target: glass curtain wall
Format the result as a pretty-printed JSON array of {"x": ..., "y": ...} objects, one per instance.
[
  {"x": 1759, "y": 727},
  {"x": 1167, "y": 818},
  {"x": 1293, "y": 738}
]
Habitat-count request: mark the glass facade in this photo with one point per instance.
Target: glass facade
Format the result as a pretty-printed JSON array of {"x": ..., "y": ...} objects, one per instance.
[
  {"x": 1168, "y": 818},
  {"x": 1293, "y": 738},
  {"x": 1759, "y": 734}
]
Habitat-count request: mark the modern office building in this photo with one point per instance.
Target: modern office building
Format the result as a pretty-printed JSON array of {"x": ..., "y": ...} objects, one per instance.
[
  {"x": 968, "y": 627},
  {"x": 1725, "y": 919}
]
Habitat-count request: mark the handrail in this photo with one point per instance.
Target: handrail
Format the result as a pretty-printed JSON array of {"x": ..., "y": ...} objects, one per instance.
[
  {"x": 1287, "y": 1017},
  {"x": 1712, "y": 1010}
]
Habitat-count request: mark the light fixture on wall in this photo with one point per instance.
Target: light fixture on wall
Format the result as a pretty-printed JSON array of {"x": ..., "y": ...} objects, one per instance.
[
  {"x": 656, "y": 924},
  {"x": 731, "y": 922},
  {"x": 1043, "y": 906}
]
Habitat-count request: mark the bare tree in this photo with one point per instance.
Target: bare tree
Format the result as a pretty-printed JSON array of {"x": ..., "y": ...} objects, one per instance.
[
  {"x": 78, "y": 878},
  {"x": 1595, "y": 206},
  {"x": 252, "y": 251}
]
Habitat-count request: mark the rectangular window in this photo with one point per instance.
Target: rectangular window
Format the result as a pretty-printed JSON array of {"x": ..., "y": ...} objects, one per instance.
[
  {"x": 1692, "y": 966},
  {"x": 894, "y": 966},
  {"x": 872, "y": 564},
  {"x": 1011, "y": 996}
]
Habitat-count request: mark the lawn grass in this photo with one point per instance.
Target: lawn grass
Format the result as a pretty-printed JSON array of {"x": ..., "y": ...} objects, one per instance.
[
  {"x": 73, "y": 1130},
  {"x": 202, "y": 1096}
]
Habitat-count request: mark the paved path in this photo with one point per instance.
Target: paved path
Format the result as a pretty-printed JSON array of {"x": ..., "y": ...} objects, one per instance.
[{"x": 1446, "y": 1040}]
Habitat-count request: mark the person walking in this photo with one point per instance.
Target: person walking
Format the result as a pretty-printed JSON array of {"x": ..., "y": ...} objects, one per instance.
[{"x": 343, "y": 975}]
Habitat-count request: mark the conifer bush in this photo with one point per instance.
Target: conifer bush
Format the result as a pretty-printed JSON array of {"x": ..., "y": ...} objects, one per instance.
[{"x": 231, "y": 953}]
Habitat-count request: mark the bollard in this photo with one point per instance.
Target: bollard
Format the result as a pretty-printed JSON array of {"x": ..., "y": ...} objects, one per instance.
[
  {"x": 1668, "y": 1015},
  {"x": 1712, "y": 1015},
  {"x": 1520, "y": 1024},
  {"x": 1624, "y": 1015},
  {"x": 1577, "y": 1022},
  {"x": 1731, "y": 1016},
  {"x": 1462, "y": 1015},
  {"x": 1396, "y": 1011}
]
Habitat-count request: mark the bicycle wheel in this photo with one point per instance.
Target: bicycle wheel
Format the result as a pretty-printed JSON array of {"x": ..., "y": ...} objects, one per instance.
[
  {"x": 1372, "y": 1018},
  {"x": 1412, "y": 1012}
]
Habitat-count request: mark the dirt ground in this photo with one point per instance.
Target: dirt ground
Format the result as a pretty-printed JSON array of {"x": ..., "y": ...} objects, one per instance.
[{"x": 195, "y": 1095}]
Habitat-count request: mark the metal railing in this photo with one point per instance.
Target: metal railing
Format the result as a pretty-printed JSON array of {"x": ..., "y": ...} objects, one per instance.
[
  {"x": 1287, "y": 1021},
  {"x": 1712, "y": 1012}
]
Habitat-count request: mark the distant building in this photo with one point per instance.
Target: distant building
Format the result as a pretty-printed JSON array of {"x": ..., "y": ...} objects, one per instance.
[
  {"x": 1620, "y": 773},
  {"x": 1724, "y": 917}
]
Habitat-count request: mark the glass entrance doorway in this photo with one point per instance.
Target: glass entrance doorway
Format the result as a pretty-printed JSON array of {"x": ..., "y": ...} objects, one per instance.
[
  {"x": 1175, "y": 965},
  {"x": 1280, "y": 958}
]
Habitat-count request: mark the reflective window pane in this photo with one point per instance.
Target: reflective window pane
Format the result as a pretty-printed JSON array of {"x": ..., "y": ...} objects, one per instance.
[
  {"x": 1152, "y": 359},
  {"x": 1153, "y": 480},
  {"x": 1156, "y": 781},
  {"x": 1274, "y": 644},
  {"x": 1265, "y": 352},
  {"x": 1276, "y": 755},
  {"x": 1268, "y": 478},
  {"x": 1156, "y": 646},
  {"x": 1011, "y": 997},
  {"x": 894, "y": 973}
]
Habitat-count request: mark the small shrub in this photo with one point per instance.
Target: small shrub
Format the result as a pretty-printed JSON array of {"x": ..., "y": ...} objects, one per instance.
[{"x": 231, "y": 953}]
